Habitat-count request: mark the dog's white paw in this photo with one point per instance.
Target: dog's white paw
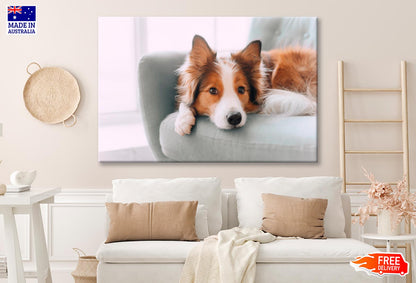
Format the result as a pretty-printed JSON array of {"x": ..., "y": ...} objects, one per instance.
[
  {"x": 288, "y": 103},
  {"x": 184, "y": 121}
]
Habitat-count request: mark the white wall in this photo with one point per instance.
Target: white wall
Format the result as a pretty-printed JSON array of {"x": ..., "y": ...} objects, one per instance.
[{"x": 371, "y": 36}]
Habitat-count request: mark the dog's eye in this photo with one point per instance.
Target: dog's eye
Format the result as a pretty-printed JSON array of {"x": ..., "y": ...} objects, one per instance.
[
  {"x": 213, "y": 90},
  {"x": 241, "y": 90}
]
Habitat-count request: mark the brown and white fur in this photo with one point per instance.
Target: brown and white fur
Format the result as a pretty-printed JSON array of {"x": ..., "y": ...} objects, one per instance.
[{"x": 280, "y": 81}]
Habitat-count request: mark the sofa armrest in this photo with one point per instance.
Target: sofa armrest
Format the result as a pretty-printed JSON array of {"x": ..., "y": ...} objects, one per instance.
[{"x": 157, "y": 83}]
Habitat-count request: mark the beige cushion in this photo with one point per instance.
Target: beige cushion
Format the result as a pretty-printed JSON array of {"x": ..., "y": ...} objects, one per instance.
[
  {"x": 170, "y": 220},
  {"x": 294, "y": 217}
]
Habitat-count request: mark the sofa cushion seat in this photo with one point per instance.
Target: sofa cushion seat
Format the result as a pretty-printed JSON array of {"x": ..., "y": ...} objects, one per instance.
[
  {"x": 263, "y": 138},
  {"x": 313, "y": 250},
  {"x": 330, "y": 250}
]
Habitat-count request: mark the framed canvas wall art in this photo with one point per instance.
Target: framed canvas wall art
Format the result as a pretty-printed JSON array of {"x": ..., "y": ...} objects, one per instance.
[{"x": 207, "y": 89}]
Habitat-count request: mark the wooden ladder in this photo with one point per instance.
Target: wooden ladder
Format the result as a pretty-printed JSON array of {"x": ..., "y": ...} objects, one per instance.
[
  {"x": 405, "y": 137},
  {"x": 342, "y": 122}
]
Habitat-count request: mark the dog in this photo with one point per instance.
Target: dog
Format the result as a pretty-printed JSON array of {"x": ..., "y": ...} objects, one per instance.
[{"x": 280, "y": 82}]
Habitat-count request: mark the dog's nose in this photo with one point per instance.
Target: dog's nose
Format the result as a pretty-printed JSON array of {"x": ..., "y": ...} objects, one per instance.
[{"x": 234, "y": 118}]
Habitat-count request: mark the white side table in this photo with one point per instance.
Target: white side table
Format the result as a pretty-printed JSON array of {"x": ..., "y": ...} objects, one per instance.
[
  {"x": 26, "y": 203},
  {"x": 396, "y": 239}
]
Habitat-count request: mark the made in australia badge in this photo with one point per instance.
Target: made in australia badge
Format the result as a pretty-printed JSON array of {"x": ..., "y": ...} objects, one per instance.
[{"x": 21, "y": 19}]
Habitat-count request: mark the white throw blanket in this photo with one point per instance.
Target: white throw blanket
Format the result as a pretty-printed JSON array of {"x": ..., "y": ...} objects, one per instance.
[{"x": 229, "y": 257}]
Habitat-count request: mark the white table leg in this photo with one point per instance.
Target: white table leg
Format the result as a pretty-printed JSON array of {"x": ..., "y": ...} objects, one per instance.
[
  {"x": 396, "y": 251},
  {"x": 14, "y": 256},
  {"x": 413, "y": 255},
  {"x": 41, "y": 252},
  {"x": 388, "y": 248}
]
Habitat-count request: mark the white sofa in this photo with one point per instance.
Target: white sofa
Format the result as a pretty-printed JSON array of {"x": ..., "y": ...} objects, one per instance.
[{"x": 301, "y": 260}]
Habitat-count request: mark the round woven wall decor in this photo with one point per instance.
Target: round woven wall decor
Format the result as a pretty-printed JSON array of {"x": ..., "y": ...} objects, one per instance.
[{"x": 51, "y": 95}]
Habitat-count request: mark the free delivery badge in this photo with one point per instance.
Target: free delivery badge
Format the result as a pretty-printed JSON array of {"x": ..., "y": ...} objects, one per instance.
[{"x": 379, "y": 264}]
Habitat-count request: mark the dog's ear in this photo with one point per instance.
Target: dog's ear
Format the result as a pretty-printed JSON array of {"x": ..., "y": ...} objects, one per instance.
[
  {"x": 201, "y": 54},
  {"x": 249, "y": 59},
  {"x": 191, "y": 72},
  {"x": 251, "y": 54}
]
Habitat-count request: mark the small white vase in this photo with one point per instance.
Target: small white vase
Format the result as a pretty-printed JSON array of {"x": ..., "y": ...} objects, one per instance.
[{"x": 384, "y": 224}]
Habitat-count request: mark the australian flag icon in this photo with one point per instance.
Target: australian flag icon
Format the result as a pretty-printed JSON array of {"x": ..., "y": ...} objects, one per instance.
[{"x": 21, "y": 13}]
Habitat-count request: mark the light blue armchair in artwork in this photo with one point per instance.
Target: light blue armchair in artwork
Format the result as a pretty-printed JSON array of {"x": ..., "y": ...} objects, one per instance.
[{"x": 264, "y": 138}]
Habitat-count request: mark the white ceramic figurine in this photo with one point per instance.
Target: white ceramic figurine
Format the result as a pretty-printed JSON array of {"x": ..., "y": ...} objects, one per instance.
[{"x": 23, "y": 178}]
